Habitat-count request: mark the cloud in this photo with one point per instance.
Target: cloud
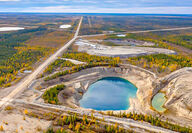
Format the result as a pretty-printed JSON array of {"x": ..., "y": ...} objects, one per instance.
[
  {"x": 98, "y": 6},
  {"x": 8, "y": 0},
  {"x": 93, "y": 9}
]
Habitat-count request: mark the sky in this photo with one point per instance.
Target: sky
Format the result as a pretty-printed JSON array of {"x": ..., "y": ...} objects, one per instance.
[{"x": 98, "y": 6}]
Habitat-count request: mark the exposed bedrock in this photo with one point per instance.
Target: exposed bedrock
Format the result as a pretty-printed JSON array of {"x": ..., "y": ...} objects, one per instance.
[{"x": 179, "y": 92}]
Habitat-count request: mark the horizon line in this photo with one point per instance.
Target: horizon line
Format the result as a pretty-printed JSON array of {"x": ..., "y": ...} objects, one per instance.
[{"x": 99, "y": 13}]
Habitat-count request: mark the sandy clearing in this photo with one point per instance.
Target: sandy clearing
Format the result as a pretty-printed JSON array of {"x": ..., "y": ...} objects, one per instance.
[
  {"x": 121, "y": 35},
  {"x": 65, "y": 26},
  {"x": 76, "y": 62},
  {"x": 11, "y": 28}
]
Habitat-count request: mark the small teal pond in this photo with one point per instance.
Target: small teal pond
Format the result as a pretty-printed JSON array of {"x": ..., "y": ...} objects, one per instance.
[
  {"x": 110, "y": 93},
  {"x": 158, "y": 102}
]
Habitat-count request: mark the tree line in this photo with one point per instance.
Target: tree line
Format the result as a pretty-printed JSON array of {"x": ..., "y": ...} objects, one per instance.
[
  {"x": 162, "y": 62},
  {"x": 92, "y": 61},
  {"x": 153, "y": 121},
  {"x": 76, "y": 123}
]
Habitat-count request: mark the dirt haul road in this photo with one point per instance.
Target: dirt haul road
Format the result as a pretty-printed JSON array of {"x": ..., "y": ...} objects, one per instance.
[
  {"x": 27, "y": 81},
  {"x": 135, "y": 32}
]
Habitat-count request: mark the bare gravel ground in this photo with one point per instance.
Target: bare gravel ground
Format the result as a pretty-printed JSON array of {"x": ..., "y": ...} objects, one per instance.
[
  {"x": 118, "y": 51},
  {"x": 21, "y": 123}
]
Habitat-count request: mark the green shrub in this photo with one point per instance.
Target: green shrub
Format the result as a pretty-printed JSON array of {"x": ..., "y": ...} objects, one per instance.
[{"x": 50, "y": 95}]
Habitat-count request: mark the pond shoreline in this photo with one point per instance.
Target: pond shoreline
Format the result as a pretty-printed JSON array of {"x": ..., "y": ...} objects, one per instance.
[
  {"x": 109, "y": 93},
  {"x": 158, "y": 102},
  {"x": 78, "y": 84}
]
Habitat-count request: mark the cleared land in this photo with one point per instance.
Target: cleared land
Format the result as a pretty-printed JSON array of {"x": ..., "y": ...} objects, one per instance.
[{"x": 118, "y": 51}]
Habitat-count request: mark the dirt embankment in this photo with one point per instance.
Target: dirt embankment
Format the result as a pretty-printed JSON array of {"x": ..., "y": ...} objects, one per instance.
[{"x": 178, "y": 90}]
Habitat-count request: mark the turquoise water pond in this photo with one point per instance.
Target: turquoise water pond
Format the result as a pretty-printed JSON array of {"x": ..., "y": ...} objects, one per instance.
[
  {"x": 158, "y": 102},
  {"x": 110, "y": 93}
]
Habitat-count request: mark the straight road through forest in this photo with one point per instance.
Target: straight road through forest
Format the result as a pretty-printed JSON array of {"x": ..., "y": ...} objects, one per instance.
[{"x": 27, "y": 81}]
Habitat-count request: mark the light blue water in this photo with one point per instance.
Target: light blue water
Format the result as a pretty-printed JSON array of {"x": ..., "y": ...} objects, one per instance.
[
  {"x": 111, "y": 93},
  {"x": 158, "y": 102}
]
